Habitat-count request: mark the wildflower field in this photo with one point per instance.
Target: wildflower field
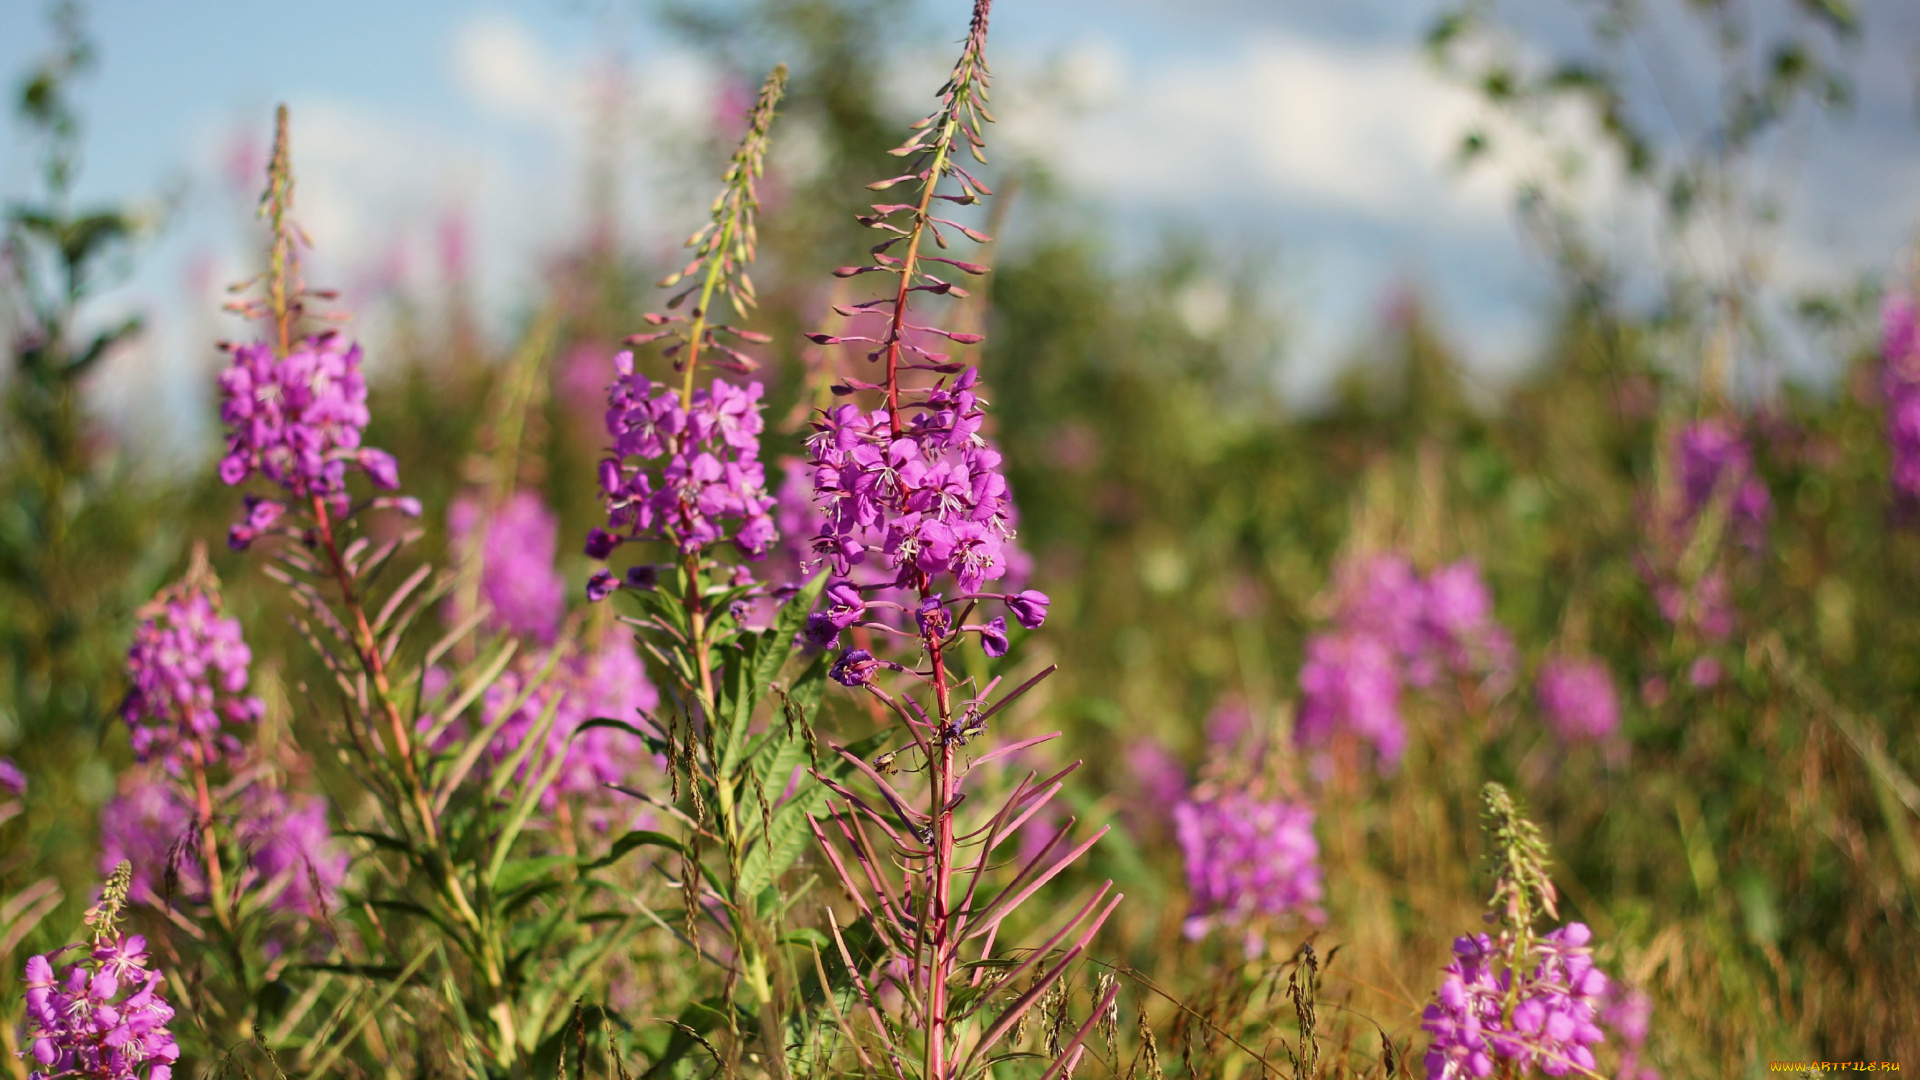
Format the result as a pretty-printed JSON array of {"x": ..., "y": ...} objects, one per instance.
[{"x": 888, "y": 637}]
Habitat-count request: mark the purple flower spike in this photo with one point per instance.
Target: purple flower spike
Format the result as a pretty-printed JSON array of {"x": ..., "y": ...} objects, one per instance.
[
  {"x": 1247, "y": 857},
  {"x": 1553, "y": 1021},
  {"x": 993, "y": 637},
  {"x": 688, "y": 474},
  {"x": 1578, "y": 698},
  {"x": 188, "y": 669},
  {"x": 1029, "y": 608},
  {"x": 854, "y": 668},
  {"x": 930, "y": 502},
  {"x": 11, "y": 778},
  {"x": 105, "y": 1019},
  {"x": 297, "y": 419},
  {"x": 517, "y": 578}
]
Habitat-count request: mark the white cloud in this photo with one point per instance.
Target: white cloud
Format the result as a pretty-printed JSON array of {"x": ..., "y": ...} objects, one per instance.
[
  {"x": 506, "y": 70},
  {"x": 1363, "y": 129}
]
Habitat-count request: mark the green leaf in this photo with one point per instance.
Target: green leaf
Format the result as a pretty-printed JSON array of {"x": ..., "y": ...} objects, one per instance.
[
  {"x": 806, "y": 936},
  {"x": 655, "y": 744},
  {"x": 518, "y": 872},
  {"x": 637, "y": 838}
]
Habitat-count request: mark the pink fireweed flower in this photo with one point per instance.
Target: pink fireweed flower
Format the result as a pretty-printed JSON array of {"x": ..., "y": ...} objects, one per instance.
[
  {"x": 1247, "y": 857},
  {"x": 12, "y": 779},
  {"x": 1628, "y": 1014},
  {"x": 1711, "y": 456},
  {"x": 1393, "y": 629},
  {"x": 611, "y": 681},
  {"x": 104, "y": 1019},
  {"x": 188, "y": 669},
  {"x": 931, "y": 502},
  {"x": 1553, "y": 1024},
  {"x": 1578, "y": 698},
  {"x": 284, "y": 839},
  {"x": 897, "y": 515},
  {"x": 1900, "y": 383},
  {"x": 297, "y": 420},
  {"x": 517, "y": 576},
  {"x": 1350, "y": 683},
  {"x": 688, "y": 475}
]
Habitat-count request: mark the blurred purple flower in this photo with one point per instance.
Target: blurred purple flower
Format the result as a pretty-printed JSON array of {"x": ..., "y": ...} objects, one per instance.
[
  {"x": 1712, "y": 456},
  {"x": 1579, "y": 698},
  {"x": 1900, "y": 383},
  {"x": 1628, "y": 1013},
  {"x": 11, "y": 778},
  {"x": 1351, "y": 683},
  {"x": 284, "y": 839},
  {"x": 188, "y": 669},
  {"x": 1247, "y": 857},
  {"x": 1394, "y": 629},
  {"x": 151, "y": 826},
  {"x": 1156, "y": 772},
  {"x": 609, "y": 682},
  {"x": 517, "y": 576}
]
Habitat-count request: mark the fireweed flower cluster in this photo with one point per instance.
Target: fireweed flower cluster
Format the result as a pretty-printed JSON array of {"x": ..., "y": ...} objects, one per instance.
[
  {"x": 1393, "y": 628},
  {"x": 1247, "y": 857},
  {"x": 188, "y": 670},
  {"x": 1516, "y": 1001},
  {"x": 915, "y": 523},
  {"x": 688, "y": 473},
  {"x": 914, "y": 505},
  {"x": 1578, "y": 698},
  {"x": 1710, "y": 483},
  {"x": 610, "y": 681},
  {"x": 296, "y": 420},
  {"x": 283, "y": 841},
  {"x": 1900, "y": 384},
  {"x": 105, "y": 1017},
  {"x": 516, "y": 555},
  {"x": 1628, "y": 1015},
  {"x": 1555, "y": 998},
  {"x": 1712, "y": 460}
]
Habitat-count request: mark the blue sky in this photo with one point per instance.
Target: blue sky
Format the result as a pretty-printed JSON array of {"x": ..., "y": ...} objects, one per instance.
[{"x": 1313, "y": 131}]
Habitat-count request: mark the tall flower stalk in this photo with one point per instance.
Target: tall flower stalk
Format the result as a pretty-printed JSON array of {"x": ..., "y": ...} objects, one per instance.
[
  {"x": 912, "y": 493},
  {"x": 683, "y": 480},
  {"x": 460, "y": 866},
  {"x": 1521, "y": 1000},
  {"x": 210, "y": 837},
  {"x": 722, "y": 250}
]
